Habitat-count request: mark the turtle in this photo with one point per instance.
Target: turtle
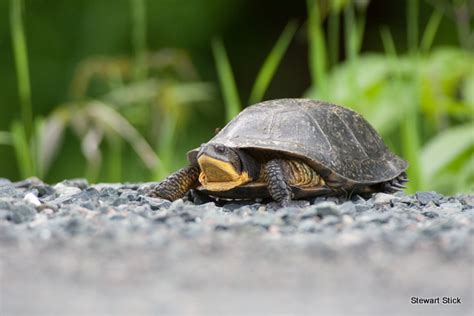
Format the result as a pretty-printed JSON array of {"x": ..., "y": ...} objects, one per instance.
[{"x": 288, "y": 149}]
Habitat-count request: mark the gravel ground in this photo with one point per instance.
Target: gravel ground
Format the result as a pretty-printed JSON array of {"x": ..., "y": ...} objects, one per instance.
[{"x": 108, "y": 249}]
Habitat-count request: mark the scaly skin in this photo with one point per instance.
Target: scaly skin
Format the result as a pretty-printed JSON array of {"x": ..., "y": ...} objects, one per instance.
[
  {"x": 280, "y": 174},
  {"x": 301, "y": 175},
  {"x": 275, "y": 178},
  {"x": 177, "y": 184}
]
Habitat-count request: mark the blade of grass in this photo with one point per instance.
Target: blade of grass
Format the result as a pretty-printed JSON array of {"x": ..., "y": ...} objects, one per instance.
[
  {"x": 36, "y": 148},
  {"x": 20, "y": 52},
  {"x": 5, "y": 138},
  {"x": 22, "y": 150},
  {"x": 361, "y": 27},
  {"x": 411, "y": 127},
  {"x": 411, "y": 149},
  {"x": 226, "y": 79},
  {"x": 90, "y": 147},
  {"x": 388, "y": 42},
  {"x": 114, "y": 165},
  {"x": 412, "y": 25},
  {"x": 270, "y": 65},
  {"x": 430, "y": 31},
  {"x": 139, "y": 38},
  {"x": 106, "y": 116},
  {"x": 317, "y": 49},
  {"x": 463, "y": 18},
  {"x": 410, "y": 138},
  {"x": 351, "y": 32},
  {"x": 52, "y": 134},
  {"x": 333, "y": 36},
  {"x": 167, "y": 147}
]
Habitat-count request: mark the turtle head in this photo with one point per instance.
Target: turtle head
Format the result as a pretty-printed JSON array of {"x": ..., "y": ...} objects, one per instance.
[{"x": 224, "y": 168}]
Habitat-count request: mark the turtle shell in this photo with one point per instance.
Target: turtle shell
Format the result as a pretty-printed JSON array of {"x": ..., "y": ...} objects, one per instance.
[{"x": 330, "y": 138}]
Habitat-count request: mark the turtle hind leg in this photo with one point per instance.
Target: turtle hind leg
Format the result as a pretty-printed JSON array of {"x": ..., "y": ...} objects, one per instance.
[
  {"x": 276, "y": 183},
  {"x": 390, "y": 186},
  {"x": 176, "y": 185},
  {"x": 395, "y": 185}
]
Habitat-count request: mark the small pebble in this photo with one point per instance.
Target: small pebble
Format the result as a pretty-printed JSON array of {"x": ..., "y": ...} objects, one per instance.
[
  {"x": 426, "y": 197},
  {"x": 327, "y": 208},
  {"x": 64, "y": 190},
  {"x": 23, "y": 213},
  {"x": 32, "y": 199},
  {"x": 383, "y": 198}
]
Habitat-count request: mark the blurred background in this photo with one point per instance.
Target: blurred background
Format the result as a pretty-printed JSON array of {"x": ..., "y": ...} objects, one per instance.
[{"x": 120, "y": 90}]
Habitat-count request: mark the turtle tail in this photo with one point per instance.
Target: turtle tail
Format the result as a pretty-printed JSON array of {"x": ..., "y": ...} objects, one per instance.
[{"x": 396, "y": 184}]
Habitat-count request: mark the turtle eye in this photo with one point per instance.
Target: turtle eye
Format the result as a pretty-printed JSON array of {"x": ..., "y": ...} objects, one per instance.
[{"x": 220, "y": 149}]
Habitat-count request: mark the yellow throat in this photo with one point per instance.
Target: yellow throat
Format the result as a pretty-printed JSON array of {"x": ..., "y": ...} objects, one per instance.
[{"x": 218, "y": 175}]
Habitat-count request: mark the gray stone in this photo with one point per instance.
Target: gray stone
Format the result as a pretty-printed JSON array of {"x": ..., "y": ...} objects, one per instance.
[
  {"x": 157, "y": 203},
  {"x": 318, "y": 200},
  {"x": 174, "y": 222},
  {"x": 383, "y": 198},
  {"x": 467, "y": 200},
  {"x": 347, "y": 208},
  {"x": 9, "y": 191},
  {"x": 87, "y": 194},
  {"x": 5, "y": 205},
  {"x": 361, "y": 208},
  {"x": 27, "y": 183},
  {"x": 87, "y": 198},
  {"x": 330, "y": 220},
  {"x": 376, "y": 217},
  {"x": 32, "y": 199},
  {"x": 120, "y": 201},
  {"x": 4, "y": 182},
  {"x": 264, "y": 220},
  {"x": 44, "y": 190},
  {"x": 130, "y": 195},
  {"x": 307, "y": 213},
  {"x": 5, "y": 214},
  {"x": 117, "y": 217},
  {"x": 77, "y": 183},
  {"x": 406, "y": 199},
  {"x": 358, "y": 199},
  {"x": 334, "y": 199},
  {"x": 450, "y": 207},
  {"x": 108, "y": 193},
  {"x": 22, "y": 213},
  {"x": 426, "y": 197},
  {"x": 307, "y": 226},
  {"x": 64, "y": 190},
  {"x": 77, "y": 226},
  {"x": 431, "y": 214},
  {"x": 327, "y": 208}
]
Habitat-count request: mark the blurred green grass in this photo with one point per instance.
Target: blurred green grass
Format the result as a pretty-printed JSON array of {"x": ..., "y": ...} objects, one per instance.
[{"x": 132, "y": 118}]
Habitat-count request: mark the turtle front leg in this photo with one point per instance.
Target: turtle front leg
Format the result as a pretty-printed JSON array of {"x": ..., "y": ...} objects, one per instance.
[
  {"x": 176, "y": 185},
  {"x": 277, "y": 184}
]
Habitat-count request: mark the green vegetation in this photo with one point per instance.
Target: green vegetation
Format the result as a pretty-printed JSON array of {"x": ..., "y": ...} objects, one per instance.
[
  {"x": 265, "y": 75},
  {"x": 419, "y": 96},
  {"x": 21, "y": 134},
  {"x": 406, "y": 97}
]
